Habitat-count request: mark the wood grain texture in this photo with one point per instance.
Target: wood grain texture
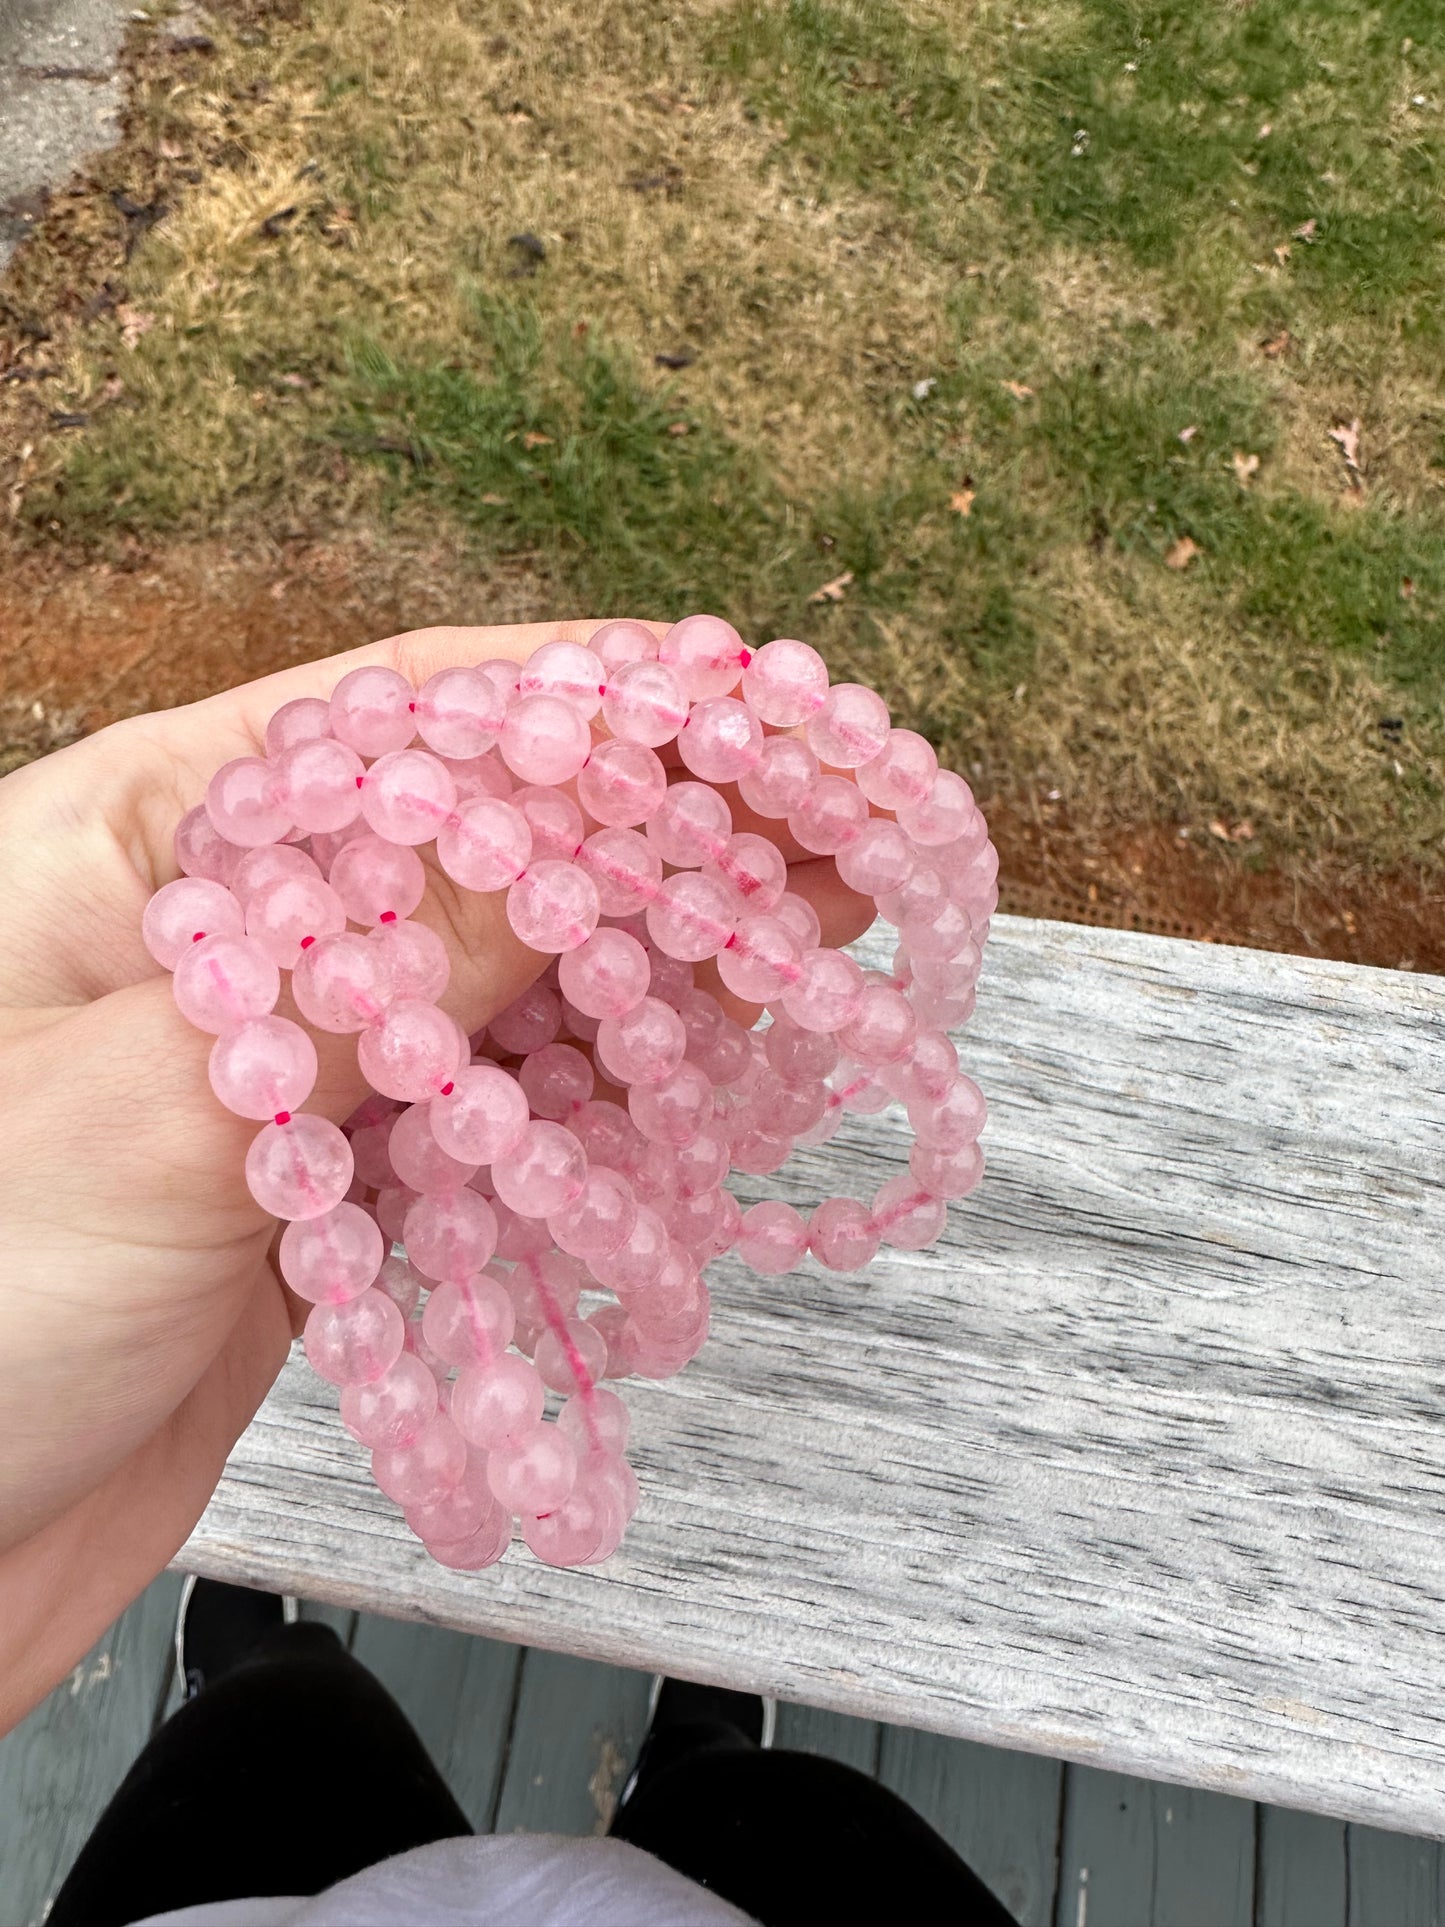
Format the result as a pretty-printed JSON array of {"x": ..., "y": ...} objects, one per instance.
[
  {"x": 812, "y": 1729},
  {"x": 1300, "y": 1873},
  {"x": 1136, "y": 1854},
  {"x": 1393, "y": 1881},
  {"x": 999, "y": 1811},
  {"x": 1132, "y": 1469},
  {"x": 575, "y": 1738},
  {"x": 59, "y": 1767}
]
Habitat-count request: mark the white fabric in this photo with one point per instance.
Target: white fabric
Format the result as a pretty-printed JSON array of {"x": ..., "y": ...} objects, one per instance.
[{"x": 492, "y": 1880}]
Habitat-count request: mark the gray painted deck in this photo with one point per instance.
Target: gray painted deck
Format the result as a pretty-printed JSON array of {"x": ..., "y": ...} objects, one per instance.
[{"x": 532, "y": 1740}]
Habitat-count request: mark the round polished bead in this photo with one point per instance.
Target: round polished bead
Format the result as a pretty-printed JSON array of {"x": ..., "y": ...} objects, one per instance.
[
  {"x": 533, "y": 1471},
  {"x": 841, "y": 1235},
  {"x": 317, "y": 783},
  {"x": 782, "y": 776},
  {"x": 850, "y": 727},
  {"x": 645, "y": 1045},
  {"x": 287, "y": 915},
  {"x": 553, "y": 818},
  {"x": 626, "y": 869},
  {"x": 376, "y": 879},
  {"x": 483, "y": 1548},
  {"x": 222, "y": 981},
  {"x": 618, "y": 643},
  {"x": 600, "y": 1422},
  {"x": 645, "y": 703},
  {"x": 638, "y": 1261},
  {"x": 452, "y": 1236},
  {"x": 342, "y": 983},
  {"x": 263, "y": 1066},
  {"x": 305, "y": 720},
  {"x": 528, "y": 1022},
  {"x": 556, "y": 1080},
  {"x": 544, "y": 739},
  {"x": 486, "y": 845},
  {"x": 482, "y": 1117},
  {"x": 201, "y": 850},
  {"x": 554, "y": 906},
  {"x": 459, "y": 712},
  {"x": 943, "y": 814},
  {"x": 354, "y": 1342},
  {"x": 799, "y": 1056},
  {"x": 901, "y": 773},
  {"x": 800, "y": 917},
  {"x": 607, "y": 975},
  {"x": 333, "y": 1258},
  {"x": 880, "y": 859},
  {"x": 567, "y": 670},
  {"x": 721, "y": 741},
  {"x": 599, "y": 1219},
  {"x": 674, "y": 1109},
  {"x": 785, "y": 683},
  {"x": 185, "y": 912},
  {"x": 572, "y": 1359},
  {"x": 907, "y": 1215},
  {"x": 882, "y": 1027},
  {"x": 691, "y": 827},
  {"x": 300, "y": 1168},
  {"x": 947, "y": 1174},
  {"x": 827, "y": 992},
  {"x": 407, "y": 796},
  {"x": 412, "y": 1051},
  {"x": 621, "y": 784},
  {"x": 242, "y": 804},
  {"x": 691, "y": 917},
  {"x": 950, "y": 1122},
  {"x": 543, "y": 1173},
  {"x": 416, "y": 957},
  {"x": 417, "y": 1160},
  {"x": 371, "y": 711},
  {"x": 706, "y": 654},
  {"x": 760, "y": 960},
  {"x": 753, "y": 867},
  {"x": 772, "y": 1238},
  {"x": 426, "y": 1470},
  {"x": 496, "y": 1402},
  {"x": 830, "y": 816},
  {"x": 392, "y": 1410}
]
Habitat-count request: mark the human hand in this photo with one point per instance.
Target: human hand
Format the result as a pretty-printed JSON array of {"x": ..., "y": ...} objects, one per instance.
[{"x": 141, "y": 1319}]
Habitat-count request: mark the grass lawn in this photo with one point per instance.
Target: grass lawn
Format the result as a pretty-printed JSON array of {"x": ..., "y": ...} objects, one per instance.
[{"x": 1069, "y": 370}]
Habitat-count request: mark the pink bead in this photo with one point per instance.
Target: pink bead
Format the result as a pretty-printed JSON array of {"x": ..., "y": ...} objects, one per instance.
[
  {"x": 906, "y": 1215},
  {"x": 397, "y": 1279},
  {"x": 554, "y": 820},
  {"x": 486, "y": 845},
  {"x": 582, "y": 1531},
  {"x": 201, "y": 850},
  {"x": 223, "y": 981},
  {"x": 482, "y": 1117},
  {"x": 785, "y": 683},
  {"x": 645, "y": 703},
  {"x": 702, "y": 1018},
  {"x": 469, "y": 1321},
  {"x": 600, "y": 1219},
  {"x": 943, "y": 814},
  {"x": 841, "y": 1235},
  {"x": 376, "y": 880},
  {"x": 263, "y": 1066},
  {"x": 639, "y": 1260},
  {"x": 947, "y": 1174},
  {"x": 289, "y": 914},
  {"x": 827, "y": 992},
  {"x": 534, "y": 1471},
  {"x": 881, "y": 1029},
  {"x": 459, "y": 712},
  {"x": 901, "y": 773},
  {"x": 412, "y": 1051},
  {"x": 691, "y": 918},
  {"x": 644, "y": 1046},
  {"x": 799, "y": 1056},
  {"x": 850, "y": 728},
  {"x": 450, "y": 1236},
  {"x": 608, "y": 1136},
  {"x": 566, "y": 670},
  {"x": 727, "y": 1057},
  {"x": 184, "y": 912},
  {"x": 691, "y": 827},
  {"x": 317, "y": 784},
  {"x": 721, "y": 741},
  {"x": 772, "y": 1238},
  {"x": 371, "y": 711},
  {"x": 342, "y": 983},
  {"x": 881, "y": 858},
  {"x": 553, "y": 907},
  {"x": 606, "y": 976},
  {"x": 928, "y": 1071},
  {"x": 422, "y": 1473},
  {"x": 701, "y": 1164},
  {"x": 599, "y": 1423},
  {"x": 417, "y": 1160},
  {"x": 781, "y": 778},
  {"x": 705, "y": 653},
  {"x": 407, "y": 796},
  {"x": 333, "y": 1258},
  {"x": 544, "y": 739},
  {"x": 497, "y": 1402},
  {"x": 241, "y": 803},
  {"x": 302, "y": 721},
  {"x": 392, "y": 1410},
  {"x": 621, "y": 784},
  {"x": 543, "y": 1174},
  {"x": 556, "y": 1080},
  {"x": 830, "y": 816},
  {"x": 354, "y": 1342},
  {"x": 953, "y": 1121},
  {"x": 625, "y": 868},
  {"x": 800, "y": 917},
  {"x": 462, "y": 1512},
  {"x": 760, "y": 960},
  {"x": 673, "y": 1110},
  {"x": 484, "y": 1547},
  {"x": 753, "y": 867},
  {"x": 327, "y": 845},
  {"x": 416, "y": 957},
  {"x": 919, "y": 900},
  {"x": 617, "y": 643},
  {"x": 480, "y": 776},
  {"x": 392, "y": 1204},
  {"x": 529, "y": 1022},
  {"x": 299, "y": 1169},
  {"x": 571, "y": 1359}
]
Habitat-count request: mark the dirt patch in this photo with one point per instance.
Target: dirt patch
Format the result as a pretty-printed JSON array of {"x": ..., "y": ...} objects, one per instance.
[{"x": 81, "y": 646}]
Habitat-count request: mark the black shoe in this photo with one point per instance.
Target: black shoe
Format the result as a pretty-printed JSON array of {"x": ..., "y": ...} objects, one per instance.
[
  {"x": 219, "y": 1627},
  {"x": 685, "y": 1716}
]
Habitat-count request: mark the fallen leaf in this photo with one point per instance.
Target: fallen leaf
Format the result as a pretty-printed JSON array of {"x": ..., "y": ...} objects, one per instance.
[
  {"x": 1346, "y": 437},
  {"x": 493, "y": 501},
  {"x": 1020, "y": 390},
  {"x": 678, "y": 428},
  {"x": 1407, "y": 588},
  {"x": 1277, "y": 345},
  {"x": 1186, "y": 435},
  {"x": 833, "y": 591},
  {"x": 1245, "y": 466},
  {"x": 961, "y": 501},
  {"x": 134, "y": 322},
  {"x": 535, "y": 439},
  {"x": 1307, "y": 230},
  {"x": 1182, "y": 553}
]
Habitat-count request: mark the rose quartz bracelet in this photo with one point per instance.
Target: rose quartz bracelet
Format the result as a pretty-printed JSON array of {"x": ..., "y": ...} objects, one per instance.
[{"x": 483, "y": 1231}]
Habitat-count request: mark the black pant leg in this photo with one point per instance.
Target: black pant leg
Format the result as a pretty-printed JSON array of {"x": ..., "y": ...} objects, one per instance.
[
  {"x": 796, "y": 1841},
  {"x": 286, "y": 1775}
]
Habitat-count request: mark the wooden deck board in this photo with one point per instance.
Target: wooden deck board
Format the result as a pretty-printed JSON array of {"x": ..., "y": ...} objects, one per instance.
[
  {"x": 1301, "y": 1876},
  {"x": 575, "y": 1736},
  {"x": 1129, "y": 1470},
  {"x": 808, "y": 1729},
  {"x": 1137, "y": 1854},
  {"x": 1394, "y": 1881}
]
